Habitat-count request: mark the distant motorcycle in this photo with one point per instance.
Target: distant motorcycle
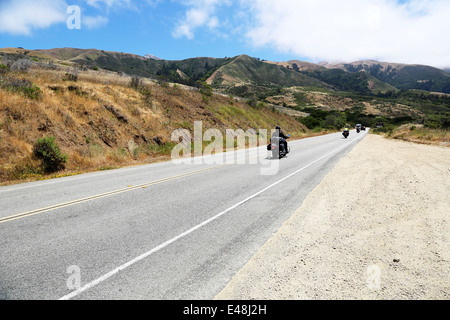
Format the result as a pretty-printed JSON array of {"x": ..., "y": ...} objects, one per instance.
[
  {"x": 358, "y": 130},
  {"x": 346, "y": 133},
  {"x": 277, "y": 147}
]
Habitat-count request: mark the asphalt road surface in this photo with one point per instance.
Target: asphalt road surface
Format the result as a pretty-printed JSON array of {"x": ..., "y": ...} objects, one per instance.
[{"x": 163, "y": 231}]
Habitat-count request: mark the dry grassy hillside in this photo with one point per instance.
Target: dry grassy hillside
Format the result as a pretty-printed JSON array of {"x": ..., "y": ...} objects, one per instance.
[
  {"x": 100, "y": 121},
  {"x": 420, "y": 134},
  {"x": 329, "y": 101}
]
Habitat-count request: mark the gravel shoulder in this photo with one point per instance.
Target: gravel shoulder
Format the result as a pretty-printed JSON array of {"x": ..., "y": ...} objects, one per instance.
[{"x": 377, "y": 227}]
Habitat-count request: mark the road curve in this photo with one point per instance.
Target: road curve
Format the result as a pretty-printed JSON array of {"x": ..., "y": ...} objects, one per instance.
[{"x": 162, "y": 231}]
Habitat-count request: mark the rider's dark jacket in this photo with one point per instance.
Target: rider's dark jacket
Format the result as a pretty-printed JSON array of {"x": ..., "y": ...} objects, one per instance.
[{"x": 280, "y": 134}]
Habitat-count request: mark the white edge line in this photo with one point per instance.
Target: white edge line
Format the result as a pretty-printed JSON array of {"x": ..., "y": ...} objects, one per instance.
[{"x": 182, "y": 235}]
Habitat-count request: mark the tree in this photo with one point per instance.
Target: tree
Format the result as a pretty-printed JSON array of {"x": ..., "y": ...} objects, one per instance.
[
  {"x": 204, "y": 88},
  {"x": 334, "y": 121}
]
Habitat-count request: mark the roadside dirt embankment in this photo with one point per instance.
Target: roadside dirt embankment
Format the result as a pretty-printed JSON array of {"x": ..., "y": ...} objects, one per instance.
[{"x": 377, "y": 227}]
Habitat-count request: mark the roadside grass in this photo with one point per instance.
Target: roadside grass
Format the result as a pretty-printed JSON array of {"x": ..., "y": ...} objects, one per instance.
[{"x": 417, "y": 133}]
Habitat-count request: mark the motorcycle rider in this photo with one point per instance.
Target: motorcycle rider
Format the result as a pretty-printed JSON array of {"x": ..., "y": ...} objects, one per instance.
[
  {"x": 346, "y": 131},
  {"x": 282, "y": 136}
]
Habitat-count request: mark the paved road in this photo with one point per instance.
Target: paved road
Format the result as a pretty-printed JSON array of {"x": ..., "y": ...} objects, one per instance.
[{"x": 159, "y": 231}]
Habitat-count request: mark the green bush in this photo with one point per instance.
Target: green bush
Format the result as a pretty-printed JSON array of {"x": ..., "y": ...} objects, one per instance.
[
  {"x": 310, "y": 122},
  {"x": 323, "y": 119},
  {"x": 23, "y": 86},
  {"x": 387, "y": 129},
  {"x": 438, "y": 122},
  {"x": 204, "y": 88},
  {"x": 3, "y": 68},
  {"x": 49, "y": 153},
  {"x": 32, "y": 92},
  {"x": 334, "y": 121}
]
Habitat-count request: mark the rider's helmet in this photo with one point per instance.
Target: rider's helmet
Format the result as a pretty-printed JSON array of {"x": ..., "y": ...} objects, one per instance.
[{"x": 278, "y": 128}]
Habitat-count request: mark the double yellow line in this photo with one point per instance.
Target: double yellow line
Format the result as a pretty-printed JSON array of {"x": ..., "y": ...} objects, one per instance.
[
  {"x": 103, "y": 195},
  {"x": 107, "y": 194}
]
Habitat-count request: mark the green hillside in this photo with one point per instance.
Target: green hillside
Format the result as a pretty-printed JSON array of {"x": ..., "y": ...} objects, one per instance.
[
  {"x": 359, "y": 82},
  {"x": 191, "y": 70},
  {"x": 406, "y": 76},
  {"x": 246, "y": 75},
  {"x": 339, "y": 78}
]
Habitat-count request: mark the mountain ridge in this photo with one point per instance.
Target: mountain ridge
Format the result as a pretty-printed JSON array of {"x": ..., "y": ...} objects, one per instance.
[
  {"x": 401, "y": 75},
  {"x": 243, "y": 70}
]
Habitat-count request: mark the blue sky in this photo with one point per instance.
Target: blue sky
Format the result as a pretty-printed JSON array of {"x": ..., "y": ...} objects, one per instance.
[
  {"x": 141, "y": 27},
  {"x": 414, "y": 31}
]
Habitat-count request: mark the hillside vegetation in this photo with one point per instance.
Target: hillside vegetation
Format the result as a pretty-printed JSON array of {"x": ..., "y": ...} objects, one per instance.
[
  {"x": 246, "y": 75},
  {"x": 418, "y": 134},
  {"x": 357, "y": 77},
  {"x": 402, "y": 76},
  {"x": 102, "y": 120}
]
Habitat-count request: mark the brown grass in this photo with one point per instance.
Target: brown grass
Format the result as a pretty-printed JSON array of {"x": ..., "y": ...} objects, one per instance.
[{"x": 420, "y": 134}]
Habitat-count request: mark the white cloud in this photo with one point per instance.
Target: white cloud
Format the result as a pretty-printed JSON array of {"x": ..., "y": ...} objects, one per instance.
[
  {"x": 21, "y": 17},
  {"x": 109, "y": 3},
  {"x": 348, "y": 30},
  {"x": 200, "y": 13},
  {"x": 94, "y": 22}
]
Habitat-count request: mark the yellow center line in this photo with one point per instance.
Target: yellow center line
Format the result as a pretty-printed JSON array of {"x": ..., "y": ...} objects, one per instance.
[
  {"x": 111, "y": 193},
  {"x": 103, "y": 195}
]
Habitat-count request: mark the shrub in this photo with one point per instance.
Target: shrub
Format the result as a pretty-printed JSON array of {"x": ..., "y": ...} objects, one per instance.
[
  {"x": 49, "y": 153},
  {"x": 310, "y": 122},
  {"x": 204, "y": 88},
  {"x": 334, "y": 121},
  {"x": 3, "y": 68},
  {"x": 32, "y": 92},
  {"x": 147, "y": 95},
  {"x": 21, "y": 65},
  {"x": 438, "y": 122},
  {"x": 48, "y": 66},
  {"x": 71, "y": 75},
  {"x": 252, "y": 102},
  {"x": 387, "y": 129},
  {"x": 24, "y": 168},
  {"x": 135, "y": 82},
  {"x": 162, "y": 82},
  {"x": 23, "y": 86}
]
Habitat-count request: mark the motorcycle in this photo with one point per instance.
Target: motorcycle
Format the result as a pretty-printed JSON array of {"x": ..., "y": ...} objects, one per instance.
[
  {"x": 358, "y": 130},
  {"x": 346, "y": 134},
  {"x": 277, "y": 148}
]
